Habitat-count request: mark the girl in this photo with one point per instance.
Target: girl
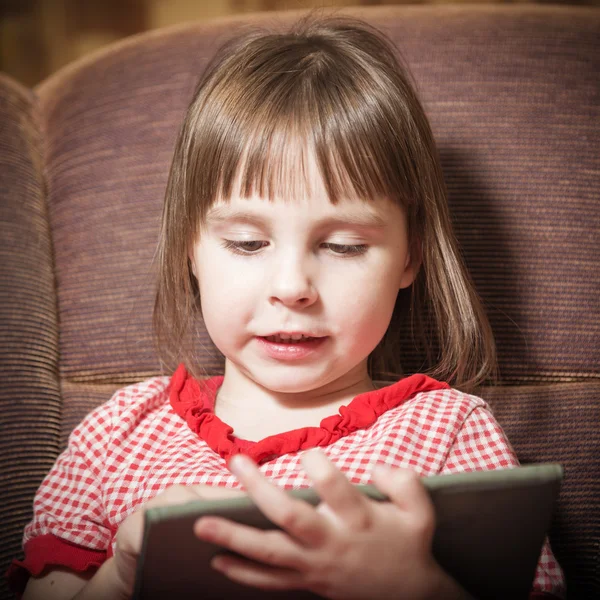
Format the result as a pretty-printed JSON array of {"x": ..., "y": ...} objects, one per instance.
[{"x": 306, "y": 214}]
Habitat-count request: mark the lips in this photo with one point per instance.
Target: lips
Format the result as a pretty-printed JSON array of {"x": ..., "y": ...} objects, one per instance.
[{"x": 291, "y": 346}]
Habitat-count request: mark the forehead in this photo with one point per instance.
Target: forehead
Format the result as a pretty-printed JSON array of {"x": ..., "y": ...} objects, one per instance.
[{"x": 317, "y": 210}]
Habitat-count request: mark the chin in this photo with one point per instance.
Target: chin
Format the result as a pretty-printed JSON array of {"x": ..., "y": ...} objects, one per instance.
[
  {"x": 289, "y": 382},
  {"x": 289, "y": 387}
]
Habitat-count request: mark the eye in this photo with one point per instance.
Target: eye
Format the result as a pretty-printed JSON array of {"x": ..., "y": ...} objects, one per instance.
[
  {"x": 244, "y": 247},
  {"x": 346, "y": 249}
]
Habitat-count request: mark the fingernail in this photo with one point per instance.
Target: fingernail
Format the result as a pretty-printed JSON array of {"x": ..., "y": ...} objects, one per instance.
[
  {"x": 381, "y": 470},
  {"x": 315, "y": 463},
  {"x": 240, "y": 464},
  {"x": 205, "y": 527}
]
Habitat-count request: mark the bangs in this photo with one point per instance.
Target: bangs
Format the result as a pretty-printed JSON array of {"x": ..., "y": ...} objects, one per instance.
[
  {"x": 285, "y": 107},
  {"x": 283, "y": 154}
]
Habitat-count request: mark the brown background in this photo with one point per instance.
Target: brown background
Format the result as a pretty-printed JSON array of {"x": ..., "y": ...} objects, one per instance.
[{"x": 37, "y": 37}]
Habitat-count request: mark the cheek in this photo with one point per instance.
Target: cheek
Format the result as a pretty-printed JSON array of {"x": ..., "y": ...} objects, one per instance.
[
  {"x": 372, "y": 316},
  {"x": 223, "y": 314},
  {"x": 363, "y": 313},
  {"x": 220, "y": 276},
  {"x": 225, "y": 296}
]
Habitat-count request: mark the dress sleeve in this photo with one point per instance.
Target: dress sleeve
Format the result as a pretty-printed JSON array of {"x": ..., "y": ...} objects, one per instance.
[
  {"x": 482, "y": 445},
  {"x": 69, "y": 527}
]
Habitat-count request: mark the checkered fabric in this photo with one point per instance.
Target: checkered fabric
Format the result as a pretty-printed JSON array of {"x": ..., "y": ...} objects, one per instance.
[{"x": 135, "y": 446}]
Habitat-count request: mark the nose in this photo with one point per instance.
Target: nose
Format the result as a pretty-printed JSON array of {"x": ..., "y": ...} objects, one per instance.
[{"x": 291, "y": 284}]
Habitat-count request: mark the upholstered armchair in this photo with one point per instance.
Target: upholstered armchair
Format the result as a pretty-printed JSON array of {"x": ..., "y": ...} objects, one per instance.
[{"x": 513, "y": 96}]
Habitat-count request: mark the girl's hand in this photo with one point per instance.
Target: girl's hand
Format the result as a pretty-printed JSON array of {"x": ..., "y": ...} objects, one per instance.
[
  {"x": 348, "y": 547},
  {"x": 130, "y": 533}
]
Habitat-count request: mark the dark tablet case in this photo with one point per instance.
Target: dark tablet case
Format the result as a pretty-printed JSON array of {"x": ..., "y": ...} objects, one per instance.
[{"x": 490, "y": 527}]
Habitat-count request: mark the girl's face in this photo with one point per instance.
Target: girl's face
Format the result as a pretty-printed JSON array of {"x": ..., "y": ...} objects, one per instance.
[{"x": 270, "y": 270}]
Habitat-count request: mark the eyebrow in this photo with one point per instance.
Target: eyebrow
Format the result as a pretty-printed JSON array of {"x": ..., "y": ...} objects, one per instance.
[{"x": 365, "y": 219}]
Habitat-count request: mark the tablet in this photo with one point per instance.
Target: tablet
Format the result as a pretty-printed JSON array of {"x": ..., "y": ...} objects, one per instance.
[{"x": 490, "y": 527}]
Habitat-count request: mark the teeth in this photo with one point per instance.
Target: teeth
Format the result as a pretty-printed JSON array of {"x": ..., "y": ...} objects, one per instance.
[{"x": 287, "y": 338}]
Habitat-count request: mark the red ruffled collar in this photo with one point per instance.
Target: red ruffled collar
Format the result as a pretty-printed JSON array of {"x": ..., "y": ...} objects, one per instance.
[{"x": 195, "y": 401}]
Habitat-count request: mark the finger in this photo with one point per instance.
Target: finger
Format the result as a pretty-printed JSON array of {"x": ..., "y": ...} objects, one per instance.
[
  {"x": 256, "y": 575},
  {"x": 345, "y": 501},
  {"x": 405, "y": 490},
  {"x": 296, "y": 517},
  {"x": 274, "y": 547}
]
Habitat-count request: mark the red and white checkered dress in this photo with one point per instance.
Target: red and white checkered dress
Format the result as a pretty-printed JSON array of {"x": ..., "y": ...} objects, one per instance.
[{"x": 163, "y": 432}]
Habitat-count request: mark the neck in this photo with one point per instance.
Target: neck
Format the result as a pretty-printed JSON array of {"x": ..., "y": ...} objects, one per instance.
[{"x": 255, "y": 411}]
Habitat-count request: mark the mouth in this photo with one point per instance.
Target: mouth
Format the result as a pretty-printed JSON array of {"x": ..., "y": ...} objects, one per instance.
[
  {"x": 290, "y": 338},
  {"x": 291, "y": 346}
]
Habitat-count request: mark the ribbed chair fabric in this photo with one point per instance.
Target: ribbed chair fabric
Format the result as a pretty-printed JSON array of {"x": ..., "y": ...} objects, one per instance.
[{"x": 30, "y": 400}]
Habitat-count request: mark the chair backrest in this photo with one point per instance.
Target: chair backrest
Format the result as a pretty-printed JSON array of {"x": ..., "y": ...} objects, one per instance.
[{"x": 513, "y": 97}]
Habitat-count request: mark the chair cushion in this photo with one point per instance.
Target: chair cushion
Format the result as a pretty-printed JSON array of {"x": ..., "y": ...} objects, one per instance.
[
  {"x": 512, "y": 96},
  {"x": 29, "y": 391}
]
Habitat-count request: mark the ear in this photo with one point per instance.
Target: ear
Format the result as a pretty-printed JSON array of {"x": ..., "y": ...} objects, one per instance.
[
  {"x": 412, "y": 265},
  {"x": 192, "y": 265}
]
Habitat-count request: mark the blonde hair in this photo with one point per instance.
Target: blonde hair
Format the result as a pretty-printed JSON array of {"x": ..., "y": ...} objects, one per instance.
[{"x": 337, "y": 84}]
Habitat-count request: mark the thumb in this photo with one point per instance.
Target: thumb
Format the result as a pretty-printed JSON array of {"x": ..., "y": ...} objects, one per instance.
[
  {"x": 128, "y": 546},
  {"x": 130, "y": 533}
]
